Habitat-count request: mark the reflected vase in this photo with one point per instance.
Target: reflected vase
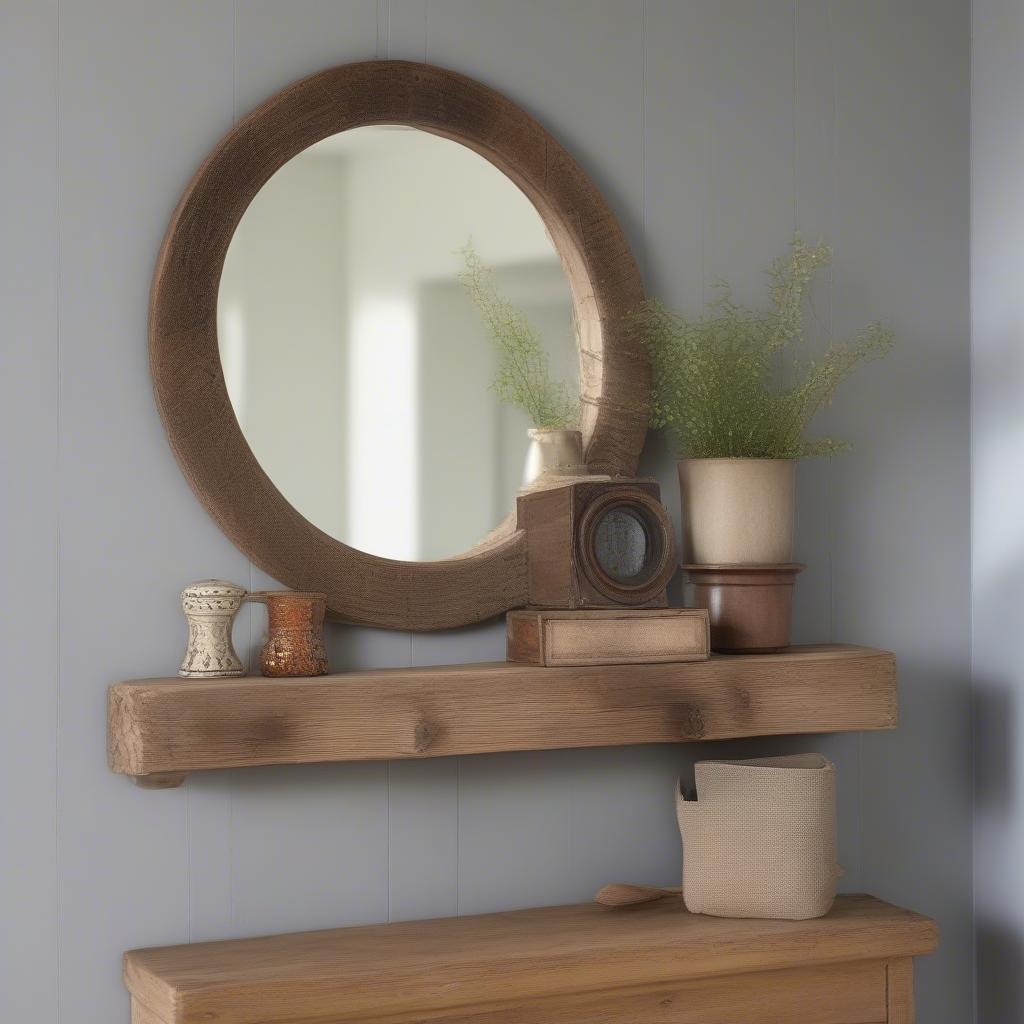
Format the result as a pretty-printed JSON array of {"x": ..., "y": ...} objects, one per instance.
[{"x": 553, "y": 455}]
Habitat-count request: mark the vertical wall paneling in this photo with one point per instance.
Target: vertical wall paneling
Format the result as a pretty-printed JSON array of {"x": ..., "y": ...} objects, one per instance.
[
  {"x": 423, "y": 838},
  {"x": 307, "y": 845},
  {"x": 716, "y": 128},
  {"x": 276, "y": 44},
  {"x": 815, "y": 101},
  {"x": 900, "y": 498},
  {"x": 738, "y": 142},
  {"x": 145, "y": 89},
  {"x": 814, "y": 98},
  {"x": 677, "y": 183},
  {"x": 423, "y": 796},
  {"x": 407, "y": 29},
  {"x": 514, "y": 830},
  {"x": 621, "y": 817},
  {"x": 750, "y": 93},
  {"x": 28, "y": 510},
  {"x": 578, "y": 67}
]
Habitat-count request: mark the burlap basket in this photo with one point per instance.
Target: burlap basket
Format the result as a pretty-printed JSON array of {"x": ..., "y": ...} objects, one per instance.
[{"x": 760, "y": 839}]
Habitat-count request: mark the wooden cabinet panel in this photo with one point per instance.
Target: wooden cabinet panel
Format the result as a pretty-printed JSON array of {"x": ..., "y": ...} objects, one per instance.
[
  {"x": 652, "y": 964},
  {"x": 900, "y": 988},
  {"x": 845, "y": 994}
]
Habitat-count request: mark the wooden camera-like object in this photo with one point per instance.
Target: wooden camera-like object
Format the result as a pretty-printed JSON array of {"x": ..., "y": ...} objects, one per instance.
[{"x": 597, "y": 544}]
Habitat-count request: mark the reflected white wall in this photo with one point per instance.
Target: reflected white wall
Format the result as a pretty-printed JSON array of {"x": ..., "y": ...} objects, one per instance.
[
  {"x": 381, "y": 411},
  {"x": 425, "y": 484},
  {"x": 358, "y": 368},
  {"x": 281, "y": 322}
]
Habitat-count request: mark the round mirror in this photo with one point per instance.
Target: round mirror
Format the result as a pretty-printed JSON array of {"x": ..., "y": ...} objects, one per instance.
[
  {"x": 358, "y": 367},
  {"x": 323, "y": 378}
]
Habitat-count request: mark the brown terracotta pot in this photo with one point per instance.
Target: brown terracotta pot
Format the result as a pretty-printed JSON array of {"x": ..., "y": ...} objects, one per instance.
[
  {"x": 295, "y": 633},
  {"x": 750, "y": 606}
]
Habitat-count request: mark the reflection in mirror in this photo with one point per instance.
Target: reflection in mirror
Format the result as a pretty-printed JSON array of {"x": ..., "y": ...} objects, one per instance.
[{"x": 358, "y": 369}]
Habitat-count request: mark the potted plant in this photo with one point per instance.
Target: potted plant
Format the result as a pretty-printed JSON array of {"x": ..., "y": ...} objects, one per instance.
[
  {"x": 523, "y": 378},
  {"x": 736, "y": 395}
]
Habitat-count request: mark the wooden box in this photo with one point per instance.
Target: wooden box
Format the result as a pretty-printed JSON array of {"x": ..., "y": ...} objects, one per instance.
[{"x": 607, "y": 637}]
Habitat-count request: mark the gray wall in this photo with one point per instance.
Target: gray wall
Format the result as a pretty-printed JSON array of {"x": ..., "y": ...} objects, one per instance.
[
  {"x": 998, "y": 499},
  {"x": 716, "y": 128}
]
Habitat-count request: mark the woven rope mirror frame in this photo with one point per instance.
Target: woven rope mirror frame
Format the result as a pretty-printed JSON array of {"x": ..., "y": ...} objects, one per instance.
[{"x": 189, "y": 382}]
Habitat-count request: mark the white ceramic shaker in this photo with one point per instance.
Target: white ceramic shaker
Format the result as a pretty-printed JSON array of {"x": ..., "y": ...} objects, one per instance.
[{"x": 210, "y": 607}]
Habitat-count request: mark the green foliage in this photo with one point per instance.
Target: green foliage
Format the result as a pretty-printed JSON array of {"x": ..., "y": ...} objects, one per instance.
[
  {"x": 523, "y": 377},
  {"x": 732, "y": 384}
]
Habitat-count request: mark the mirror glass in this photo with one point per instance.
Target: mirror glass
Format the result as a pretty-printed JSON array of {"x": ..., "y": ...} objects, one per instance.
[{"x": 358, "y": 368}]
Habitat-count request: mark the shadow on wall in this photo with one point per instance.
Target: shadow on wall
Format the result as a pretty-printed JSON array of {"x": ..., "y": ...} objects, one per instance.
[
  {"x": 1000, "y": 982},
  {"x": 999, "y": 947},
  {"x": 998, "y": 597},
  {"x": 994, "y": 755}
]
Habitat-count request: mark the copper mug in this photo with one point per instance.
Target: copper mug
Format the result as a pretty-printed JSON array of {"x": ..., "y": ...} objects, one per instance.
[{"x": 294, "y": 645}]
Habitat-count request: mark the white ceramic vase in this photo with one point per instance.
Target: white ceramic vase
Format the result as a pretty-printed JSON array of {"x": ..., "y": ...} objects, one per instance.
[
  {"x": 554, "y": 453},
  {"x": 737, "y": 511}
]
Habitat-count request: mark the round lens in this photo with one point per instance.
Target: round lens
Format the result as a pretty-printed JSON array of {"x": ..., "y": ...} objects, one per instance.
[{"x": 622, "y": 545}]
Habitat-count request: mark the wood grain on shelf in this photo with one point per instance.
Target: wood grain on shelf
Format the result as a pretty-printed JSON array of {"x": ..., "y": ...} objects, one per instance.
[
  {"x": 840, "y": 994},
  {"x": 654, "y": 963},
  {"x": 173, "y": 726}
]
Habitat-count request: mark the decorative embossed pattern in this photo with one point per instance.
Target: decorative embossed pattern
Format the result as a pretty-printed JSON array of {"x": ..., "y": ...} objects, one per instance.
[{"x": 210, "y": 608}]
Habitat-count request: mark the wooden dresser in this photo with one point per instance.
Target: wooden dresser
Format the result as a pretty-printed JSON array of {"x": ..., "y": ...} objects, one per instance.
[{"x": 649, "y": 964}]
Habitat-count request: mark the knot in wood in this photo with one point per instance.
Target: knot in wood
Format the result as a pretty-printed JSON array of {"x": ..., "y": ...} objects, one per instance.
[
  {"x": 424, "y": 735},
  {"x": 693, "y": 722},
  {"x": 271, "y": 728}
]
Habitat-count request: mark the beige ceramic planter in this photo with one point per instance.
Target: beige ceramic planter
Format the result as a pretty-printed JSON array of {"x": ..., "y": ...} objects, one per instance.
[{"x": 737, "y": 511}]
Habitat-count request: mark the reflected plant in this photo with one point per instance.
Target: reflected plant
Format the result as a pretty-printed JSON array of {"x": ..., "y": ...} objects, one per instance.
[
  {"x": 722, "y": 385},
  {"x": 523, "y": 377}
]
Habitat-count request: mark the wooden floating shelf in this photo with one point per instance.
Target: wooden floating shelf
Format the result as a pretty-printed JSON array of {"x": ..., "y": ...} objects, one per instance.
[
  {"x": 654, "y": 964},
  {"x": 162, "y": 729}
]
